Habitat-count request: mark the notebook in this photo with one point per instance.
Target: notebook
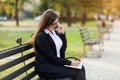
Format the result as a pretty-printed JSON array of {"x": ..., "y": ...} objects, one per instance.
[{"x": 76, "y": 67}]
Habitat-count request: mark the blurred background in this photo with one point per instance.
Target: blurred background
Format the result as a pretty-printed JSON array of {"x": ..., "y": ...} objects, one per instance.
[
  {"x": 70, "y": 11},
  {"x": 19, "y": 18},
  {"x": 22, "y": 16}
]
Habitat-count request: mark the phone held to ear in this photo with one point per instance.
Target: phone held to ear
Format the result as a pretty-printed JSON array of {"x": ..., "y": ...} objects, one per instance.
[{"x": 56, "y": 27}]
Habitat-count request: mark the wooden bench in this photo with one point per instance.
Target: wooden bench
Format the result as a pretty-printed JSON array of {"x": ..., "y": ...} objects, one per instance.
[
  {"x": 27, "y": 61},
  {"x": 87, "y": 41},
  {"x": 21, "y": 59}
]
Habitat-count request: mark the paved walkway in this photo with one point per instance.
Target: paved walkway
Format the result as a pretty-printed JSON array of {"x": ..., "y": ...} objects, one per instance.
[{"x": 108, "y": 66}]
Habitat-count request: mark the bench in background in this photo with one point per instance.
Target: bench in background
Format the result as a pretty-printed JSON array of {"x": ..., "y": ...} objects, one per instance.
[{"x": 87, "y": 41}]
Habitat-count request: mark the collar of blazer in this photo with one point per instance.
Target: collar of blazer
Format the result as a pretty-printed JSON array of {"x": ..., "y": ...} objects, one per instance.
[
  {"x": 47, "y": 32},
  {"x": 51, "y": 42}
]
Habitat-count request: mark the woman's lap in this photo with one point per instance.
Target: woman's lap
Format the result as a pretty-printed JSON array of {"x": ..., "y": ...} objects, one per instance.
[{"x": 62, "y": 72}]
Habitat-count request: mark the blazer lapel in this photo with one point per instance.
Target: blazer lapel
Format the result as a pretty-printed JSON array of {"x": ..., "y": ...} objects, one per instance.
[{"x": 51, "y": 42}]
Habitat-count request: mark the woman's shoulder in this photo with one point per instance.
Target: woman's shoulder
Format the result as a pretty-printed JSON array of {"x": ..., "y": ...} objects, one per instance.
[{"x": 41, "y": 34}]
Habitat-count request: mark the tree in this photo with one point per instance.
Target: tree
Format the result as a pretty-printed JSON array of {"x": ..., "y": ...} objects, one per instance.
[
  {"x": 7, "y": 7},
  {"x": 65, "y": 8},
  {"x": 46, "y": 4},
  {"x": 16, "y": 9},
  {"x": 32, "y": 7}
]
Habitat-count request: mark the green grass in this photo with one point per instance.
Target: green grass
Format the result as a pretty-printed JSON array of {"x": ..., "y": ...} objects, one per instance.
[
  {"x": 8, "y": 39},
  {"x": 78, "y": 24},
  {"x": 32, "y": 23},
  {"x": 91, "y": 24},
  {"x": 74, "y": 41}
]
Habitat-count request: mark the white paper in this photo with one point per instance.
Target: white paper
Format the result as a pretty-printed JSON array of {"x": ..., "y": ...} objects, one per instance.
[{"x": 76, "y": 67}]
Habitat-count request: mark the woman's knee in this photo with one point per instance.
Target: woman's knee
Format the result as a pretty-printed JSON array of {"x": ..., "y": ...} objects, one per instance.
[{"x": 80, "y": 75}]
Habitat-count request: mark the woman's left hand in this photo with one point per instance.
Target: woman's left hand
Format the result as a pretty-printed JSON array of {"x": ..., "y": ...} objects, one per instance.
[{"x": 60, "y": 29}]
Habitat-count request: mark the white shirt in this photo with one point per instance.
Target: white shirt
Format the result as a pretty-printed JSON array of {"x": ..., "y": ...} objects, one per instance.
[{"x": 56, "y": 39}]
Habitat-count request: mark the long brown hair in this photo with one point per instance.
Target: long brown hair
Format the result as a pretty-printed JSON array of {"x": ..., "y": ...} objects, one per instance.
[{"x": 47, "y": 18}]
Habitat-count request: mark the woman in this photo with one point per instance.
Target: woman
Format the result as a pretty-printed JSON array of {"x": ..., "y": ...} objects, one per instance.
[{"x": 49, "y": 42}]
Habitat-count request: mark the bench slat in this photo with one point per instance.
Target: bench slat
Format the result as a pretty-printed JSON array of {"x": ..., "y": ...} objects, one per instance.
[
  {"x": 29, "y": 76},
  {"x": 14, "y": 50},
  {"x": 16, "y": 61},
  {"x": 18, "y": 72}
]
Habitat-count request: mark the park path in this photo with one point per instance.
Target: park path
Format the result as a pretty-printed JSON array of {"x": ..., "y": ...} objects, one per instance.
[{"x": 108, "y": 66}]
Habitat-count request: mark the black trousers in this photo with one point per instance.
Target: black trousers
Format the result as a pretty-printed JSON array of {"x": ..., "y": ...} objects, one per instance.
[{"x": 75, "y": 74}]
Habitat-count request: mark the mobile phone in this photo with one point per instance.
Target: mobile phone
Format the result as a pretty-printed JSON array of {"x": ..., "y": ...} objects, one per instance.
[{"x": 56, "y": 27}]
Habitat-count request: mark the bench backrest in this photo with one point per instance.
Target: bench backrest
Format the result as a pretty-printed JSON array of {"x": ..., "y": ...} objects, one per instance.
[
  {"x": 84, "y": 34},
  {"x": 27, "y": 59}
]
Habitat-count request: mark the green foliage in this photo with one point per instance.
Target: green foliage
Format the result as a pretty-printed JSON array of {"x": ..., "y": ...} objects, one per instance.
[
  {"x": 8, "y": 38},
  {"x": 70, "y": 10}
]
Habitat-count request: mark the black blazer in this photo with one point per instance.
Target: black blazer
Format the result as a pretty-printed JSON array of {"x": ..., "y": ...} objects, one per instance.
[{"x": 46, "y": 57}]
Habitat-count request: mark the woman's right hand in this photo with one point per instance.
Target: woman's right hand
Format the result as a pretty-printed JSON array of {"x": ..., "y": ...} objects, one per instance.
[
  {"x": 75, "y": 63},
  {"x": 60, "y": 28}
]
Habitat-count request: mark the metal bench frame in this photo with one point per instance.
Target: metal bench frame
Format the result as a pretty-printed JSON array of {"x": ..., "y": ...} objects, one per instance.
[{"x": 87, "y": 41}]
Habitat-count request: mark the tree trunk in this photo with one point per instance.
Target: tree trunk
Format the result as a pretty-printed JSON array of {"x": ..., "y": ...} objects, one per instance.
[
  {"x": 17, "y": 18},
  {"x": 75, "y": 16},
  {"x": 69, "y": 17},
  {"x": 83, "y": 19},
  {"x": 61, "y": 16},
  {"x": 46, "y": 4}
]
